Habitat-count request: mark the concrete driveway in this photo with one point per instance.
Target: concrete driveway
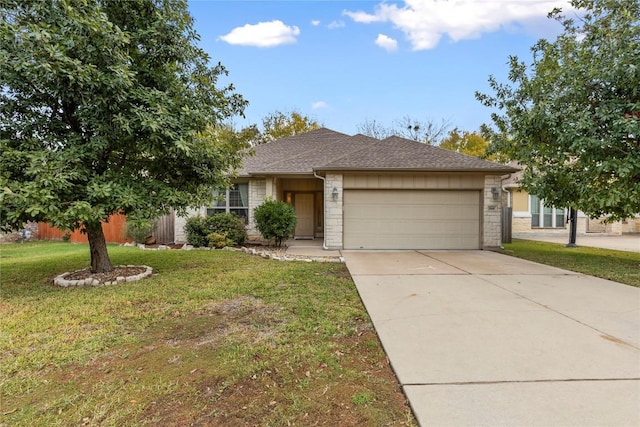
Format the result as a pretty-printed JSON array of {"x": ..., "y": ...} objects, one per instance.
[{"x": 478, "y": 338}]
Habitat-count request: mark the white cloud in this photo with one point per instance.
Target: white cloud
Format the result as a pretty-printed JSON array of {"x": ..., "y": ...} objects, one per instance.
[
  {"x": 315, "y": 22},
  {"x": 424, "y": 22},
  {"x": 387, "y": 43},
  {"x": 263, "y": 34},
  {"x": 318, "y": 105},
  {"x": 363, "y": 17},
  {"x": 336, "y": 24}
]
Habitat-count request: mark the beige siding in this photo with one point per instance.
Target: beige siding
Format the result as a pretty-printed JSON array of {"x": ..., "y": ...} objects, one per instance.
[
  {"x": 414, "y": 182},
  {"x": 301, "y": 185},
  {"x": 520, "y": 200},
  {"x": 411, "y": 219}
]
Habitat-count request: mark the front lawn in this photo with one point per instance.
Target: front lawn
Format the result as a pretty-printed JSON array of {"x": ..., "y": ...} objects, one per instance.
[
  {"x": 215, "y": 338},
  {"x": 619, "y": 266}
]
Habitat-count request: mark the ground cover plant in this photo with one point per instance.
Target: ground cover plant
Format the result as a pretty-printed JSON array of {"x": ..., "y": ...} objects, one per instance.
[
  {"x": 215, "y": 338},
  {"x": 619, "y": 266}
]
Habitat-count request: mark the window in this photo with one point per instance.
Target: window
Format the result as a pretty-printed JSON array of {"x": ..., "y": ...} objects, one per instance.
[
  {"x": 544, "y": 216},
  {"x": 235, "y": 200}
]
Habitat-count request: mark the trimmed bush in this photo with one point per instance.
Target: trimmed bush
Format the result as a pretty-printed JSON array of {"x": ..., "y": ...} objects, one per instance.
[
  {"x": 228, "y": 224},
  {"x": 276, "y": 220},
  {"x": 199, "y": 228},
  {"x": 219, "y": 241}
]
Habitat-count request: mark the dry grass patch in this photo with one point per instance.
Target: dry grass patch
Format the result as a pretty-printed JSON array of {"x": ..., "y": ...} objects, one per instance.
[{"x": 215, "y": 338}]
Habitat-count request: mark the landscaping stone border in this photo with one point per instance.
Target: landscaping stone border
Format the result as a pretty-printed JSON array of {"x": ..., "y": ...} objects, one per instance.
[
  {"x": 277, "y": 254},
  {"x": 281, "y": 255},
  {"x": 65, "y": 283}
]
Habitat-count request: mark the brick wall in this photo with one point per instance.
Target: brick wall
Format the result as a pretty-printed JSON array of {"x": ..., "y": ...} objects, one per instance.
[
  {"x": 180, "y": 221},
  {"x": 257, "y": 194}
]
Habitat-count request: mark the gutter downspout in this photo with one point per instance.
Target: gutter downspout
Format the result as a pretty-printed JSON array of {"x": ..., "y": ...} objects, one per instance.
[
  {"x": 324, "y": 212},
  {"x": 502, "y": 178}
]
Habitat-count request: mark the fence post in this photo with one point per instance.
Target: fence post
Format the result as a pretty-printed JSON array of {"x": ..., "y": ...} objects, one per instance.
[{"x": 506, "y": 224}]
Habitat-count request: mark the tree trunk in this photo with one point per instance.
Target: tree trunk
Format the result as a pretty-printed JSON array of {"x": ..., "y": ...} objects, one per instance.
[{"x": 100, "y": 262}]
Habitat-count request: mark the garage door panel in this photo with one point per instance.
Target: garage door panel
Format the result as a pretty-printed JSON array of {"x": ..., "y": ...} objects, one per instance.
[{"x": 414, "y": 219}]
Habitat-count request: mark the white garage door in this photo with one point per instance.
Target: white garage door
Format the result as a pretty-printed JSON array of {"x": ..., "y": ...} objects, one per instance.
[{"x": 411, "y": 219}]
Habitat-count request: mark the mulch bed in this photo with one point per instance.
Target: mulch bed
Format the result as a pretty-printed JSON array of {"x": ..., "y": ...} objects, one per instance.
[{"x": 118, "y": 271}]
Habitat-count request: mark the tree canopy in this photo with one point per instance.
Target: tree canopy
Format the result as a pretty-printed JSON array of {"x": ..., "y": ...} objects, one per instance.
[
  {"x": 471, "y": 143},
  {"x": 108, "y": 107},
  {"x": 571, "y": 117},
  {"x": 278, "y": 125}
]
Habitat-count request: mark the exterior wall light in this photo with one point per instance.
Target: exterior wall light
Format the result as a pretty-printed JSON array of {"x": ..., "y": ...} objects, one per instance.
[
  {"x": 495, "y": 193},
  {"x": 334, "y": 194}
]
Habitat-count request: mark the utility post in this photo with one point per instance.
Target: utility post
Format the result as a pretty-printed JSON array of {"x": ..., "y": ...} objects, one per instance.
[{"x": 573, "y": 218}]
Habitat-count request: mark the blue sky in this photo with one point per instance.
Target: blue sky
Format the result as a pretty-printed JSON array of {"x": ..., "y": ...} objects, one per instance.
[{"x": 344, "y": 62}]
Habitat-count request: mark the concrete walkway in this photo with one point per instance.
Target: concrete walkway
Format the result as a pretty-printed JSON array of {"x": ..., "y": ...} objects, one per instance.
[{"x": 478, "y": 338}]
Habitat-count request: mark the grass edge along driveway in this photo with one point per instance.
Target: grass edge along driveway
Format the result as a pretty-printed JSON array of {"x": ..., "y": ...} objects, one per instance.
[
  {"x": 619, "y": 266},
  {"x": 214, "y": 338}
]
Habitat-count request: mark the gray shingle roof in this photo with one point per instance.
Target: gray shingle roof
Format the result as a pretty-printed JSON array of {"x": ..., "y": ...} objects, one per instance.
[{"x": 327, "y": 150}]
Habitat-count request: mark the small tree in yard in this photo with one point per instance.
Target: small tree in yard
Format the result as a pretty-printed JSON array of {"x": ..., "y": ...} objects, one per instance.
[
  {"x": 275, "y": 220},
  {"x": 108, "y": 107}
]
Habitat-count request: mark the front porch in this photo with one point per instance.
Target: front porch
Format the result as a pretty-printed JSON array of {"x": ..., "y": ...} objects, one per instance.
[{"x": 310, "y": 197}]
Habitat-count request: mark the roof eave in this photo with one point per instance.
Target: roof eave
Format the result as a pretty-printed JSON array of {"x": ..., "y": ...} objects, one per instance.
[
  {"x": 273, "y": 173},
  {"x": 496, "y": 171}
]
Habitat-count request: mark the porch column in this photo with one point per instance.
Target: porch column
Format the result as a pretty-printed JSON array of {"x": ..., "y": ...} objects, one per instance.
[
  {"x": 491, "y": 212},
  {"x": 270, "y": 188},
  {"x": 333, "y": 211}
]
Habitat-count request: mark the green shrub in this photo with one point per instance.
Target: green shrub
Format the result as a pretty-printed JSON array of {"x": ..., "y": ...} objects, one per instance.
[
  {"x": 196, "y": 231},
  {"x": 199, "y": 228},
  {"x": 228, "y": 224},
  {"x": 275, "y": 220},
  {"x": 219, "y": 241},
  {"x": 138, "y": 229}
]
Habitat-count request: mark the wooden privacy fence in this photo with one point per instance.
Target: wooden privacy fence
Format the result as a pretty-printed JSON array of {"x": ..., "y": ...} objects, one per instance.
[
  {"x": 164, "y": 231},
  {"x": 114, "y": 230}
]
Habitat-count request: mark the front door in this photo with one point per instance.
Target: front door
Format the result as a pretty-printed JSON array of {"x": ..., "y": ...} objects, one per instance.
[{"x": 303, "y": 204}]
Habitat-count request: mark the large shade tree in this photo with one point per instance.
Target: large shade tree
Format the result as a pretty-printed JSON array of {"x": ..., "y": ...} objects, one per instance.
[
  {"x": 571, "y": 117},
  {"x": 107, "y": 107}
]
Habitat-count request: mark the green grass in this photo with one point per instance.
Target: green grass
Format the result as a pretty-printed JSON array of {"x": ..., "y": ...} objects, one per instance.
[
  {"x": 214, "y": 338},
  {"x": 619, "y": 266}
]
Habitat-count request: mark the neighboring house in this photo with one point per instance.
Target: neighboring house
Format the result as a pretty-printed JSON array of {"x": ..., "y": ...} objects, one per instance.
[
  {"x": 530, "y": 214},
  {"x": 357, "y": 192}
]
